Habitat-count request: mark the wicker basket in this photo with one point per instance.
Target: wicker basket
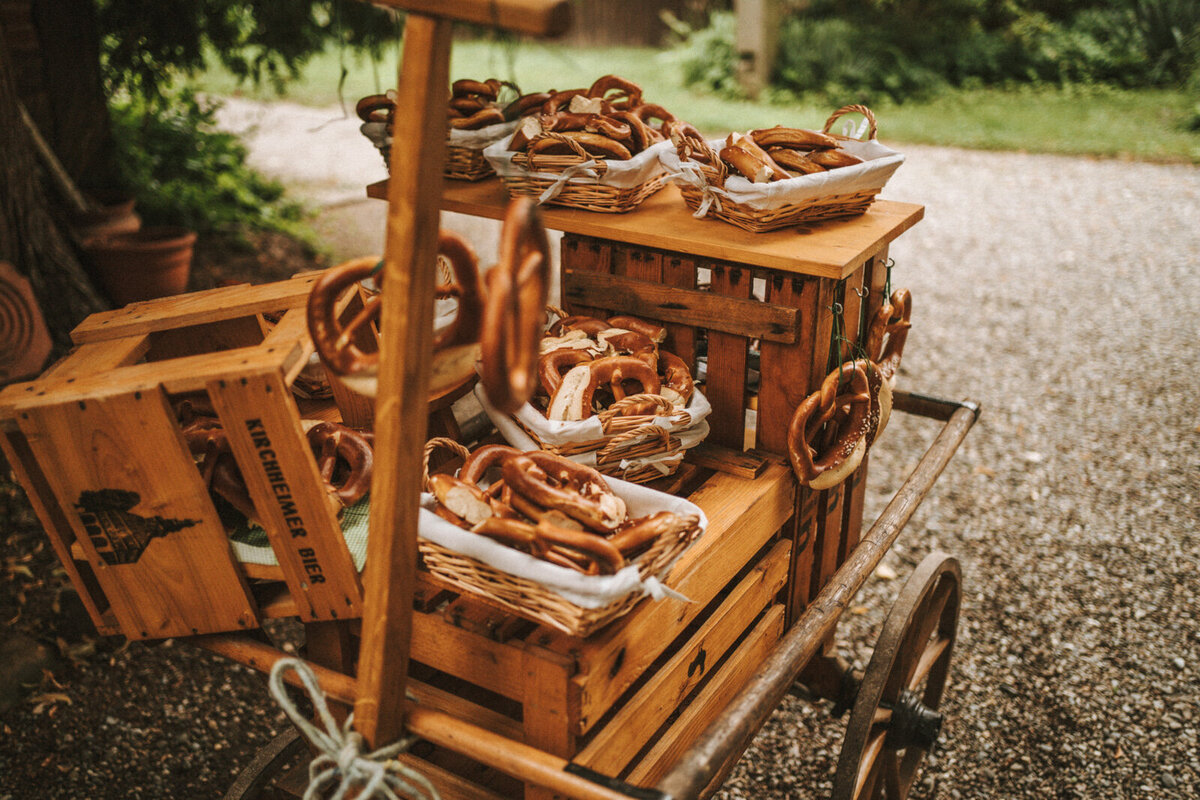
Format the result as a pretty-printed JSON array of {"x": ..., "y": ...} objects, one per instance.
[
  {"x": 704, "y": 189},
  {"x": 535, "y": 601},
  {"x": 578, "y": 180}
]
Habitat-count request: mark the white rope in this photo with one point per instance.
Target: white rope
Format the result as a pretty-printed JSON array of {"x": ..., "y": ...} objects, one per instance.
[{"x": 341, "y": 760}]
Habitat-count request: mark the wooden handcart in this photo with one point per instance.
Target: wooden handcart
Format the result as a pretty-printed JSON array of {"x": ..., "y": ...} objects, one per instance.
[{"x": 667, "y": 696}]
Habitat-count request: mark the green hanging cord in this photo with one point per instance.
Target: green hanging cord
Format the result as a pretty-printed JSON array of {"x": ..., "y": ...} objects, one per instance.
[{"x": 887, "y": 285}]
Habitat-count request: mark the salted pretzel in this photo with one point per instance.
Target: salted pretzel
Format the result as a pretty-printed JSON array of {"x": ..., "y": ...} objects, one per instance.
[
  {"x": 795, "y": 138},
  {"x": 594, "y": 144},
  {"x": 888, "y": 333},
  {"x": 482, "y": 459},
  {"x": 554, "y": 482},
  {"x": 573, "y": 400},
  {"x": 512, "y": 320},
  {"x": 478, "y": 119},
  {"x": 637, "y": 534},
  {"x": 345, "y": 460},
  {"x": 631, "y": 343},
  {"x": 844, "y": 402}
]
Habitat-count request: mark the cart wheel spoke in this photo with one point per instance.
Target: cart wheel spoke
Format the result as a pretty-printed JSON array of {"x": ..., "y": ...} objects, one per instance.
[{"x": 893, "y": 722}]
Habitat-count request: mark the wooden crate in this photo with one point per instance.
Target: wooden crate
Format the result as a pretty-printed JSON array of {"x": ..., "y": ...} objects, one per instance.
[
  {"x": 96, "y": 445},
  {"x": 733, "y": 312},
  {"x": 627, "y": 700}
]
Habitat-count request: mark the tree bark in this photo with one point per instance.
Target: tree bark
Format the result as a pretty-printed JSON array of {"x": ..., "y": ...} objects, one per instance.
[{"x": 30, "y": 238}]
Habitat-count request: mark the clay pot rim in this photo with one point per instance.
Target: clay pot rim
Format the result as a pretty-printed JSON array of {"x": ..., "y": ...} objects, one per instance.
[{"x": 154, "y": 237}]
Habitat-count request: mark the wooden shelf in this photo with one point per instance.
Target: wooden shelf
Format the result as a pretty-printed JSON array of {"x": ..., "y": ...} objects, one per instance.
[{"x": 829, "y": 250}]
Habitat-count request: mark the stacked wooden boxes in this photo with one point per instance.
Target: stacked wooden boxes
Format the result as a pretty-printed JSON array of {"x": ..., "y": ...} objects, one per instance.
[{"x": 96, "y": 444}]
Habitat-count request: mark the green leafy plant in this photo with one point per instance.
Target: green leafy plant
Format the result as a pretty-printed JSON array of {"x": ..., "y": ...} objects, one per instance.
[{"x": 184, "y": 171}]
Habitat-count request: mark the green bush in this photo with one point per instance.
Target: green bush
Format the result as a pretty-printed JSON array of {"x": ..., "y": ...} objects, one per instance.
[{"x": 184, "y": 171}]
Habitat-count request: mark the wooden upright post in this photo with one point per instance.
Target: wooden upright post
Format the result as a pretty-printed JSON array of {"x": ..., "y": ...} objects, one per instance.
[
  {"x": 756, "y": 39},
  {"x": 401, "y": 406}
]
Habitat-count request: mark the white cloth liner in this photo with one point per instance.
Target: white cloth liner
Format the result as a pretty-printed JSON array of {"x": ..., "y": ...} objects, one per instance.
[
  {"x": 585, "y": 591},
  {"x": 476, "y": 139},
  {"x": 642, "y": 168},
  {"x": 879, "y": 163},
  {"x": 561, "y": 432}
]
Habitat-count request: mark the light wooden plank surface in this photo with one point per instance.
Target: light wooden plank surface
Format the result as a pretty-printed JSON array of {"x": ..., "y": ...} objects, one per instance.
[{"x": 829, "y": 250}]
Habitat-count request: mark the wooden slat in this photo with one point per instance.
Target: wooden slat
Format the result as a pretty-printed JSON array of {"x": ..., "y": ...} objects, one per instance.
[
  {"x": 680, "y": 272},
  {"x": 263, "y": 427},
  {"x": 585, "y": 256},
  {"x": 711, "y": 700},
  {"x": 786, "y": 368},
  {"x": 450, "y": 786},
  {"x": 733, "y": 314},
  {"x": 410, "y": 260},
  {"x": 98, "y": 357},
  {"x": 194, "y": 309},
  {"x": 742, "y": 463},
  {"x": 149, "y": 532},
  {"x": 742, "y": 515},
  {"x": 615, "y": 745},
  {"x": 662, "y": 221},
  {"x": 725, "y": 381},
  {"x": 547, "y": 714},
  {"x": 534, "y": 17}
]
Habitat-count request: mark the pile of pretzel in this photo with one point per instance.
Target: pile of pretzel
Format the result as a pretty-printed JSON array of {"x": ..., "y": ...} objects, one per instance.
[
  {"x": 833, "y": 428},
  {"x": 345, "y": 458},
  {"x": 500, "y": 327},
  {"x": 768, "y": 154},
  {"x": 549, "y": 507},
  {"x": 587, "y": 364},
  {"x": 608, "y": 119}
]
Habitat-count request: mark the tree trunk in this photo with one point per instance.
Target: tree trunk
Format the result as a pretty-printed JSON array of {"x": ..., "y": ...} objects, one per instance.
[{"x": 30, "y": 238}]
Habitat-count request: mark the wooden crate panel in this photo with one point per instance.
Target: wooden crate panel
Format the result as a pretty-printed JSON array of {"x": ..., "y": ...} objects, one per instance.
[
  {"x": 120, "y": 472},
  {"x": 615, "y": 743},
  {"x": 262, "y": 423}
]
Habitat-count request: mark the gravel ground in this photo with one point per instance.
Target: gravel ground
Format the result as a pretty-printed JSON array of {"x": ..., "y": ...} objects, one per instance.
[{"x": 1060, "y": 293}]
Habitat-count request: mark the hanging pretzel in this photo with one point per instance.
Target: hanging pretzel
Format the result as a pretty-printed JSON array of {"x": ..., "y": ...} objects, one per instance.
[
  {"x": 844, "y": 401},
  {"x": 512, "y": 320},
  {"x": 888, "y": 333},
  {"x": 344, "y": 459}
]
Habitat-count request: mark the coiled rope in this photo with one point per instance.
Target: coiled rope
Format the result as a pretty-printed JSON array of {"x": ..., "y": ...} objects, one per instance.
[{"x": 341, "y": 760}]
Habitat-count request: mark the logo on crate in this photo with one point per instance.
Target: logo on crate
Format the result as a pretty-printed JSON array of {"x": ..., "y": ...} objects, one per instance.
[{"x": 120, "y": 537}]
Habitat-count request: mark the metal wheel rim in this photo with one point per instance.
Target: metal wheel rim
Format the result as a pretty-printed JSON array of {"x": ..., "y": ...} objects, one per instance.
[
  {"x": 266, "y": 766},
  {"x": 926, "y": 612}
]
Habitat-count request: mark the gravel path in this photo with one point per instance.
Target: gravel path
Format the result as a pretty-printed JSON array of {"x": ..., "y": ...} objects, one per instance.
[{"x": 1058, "y": 292}]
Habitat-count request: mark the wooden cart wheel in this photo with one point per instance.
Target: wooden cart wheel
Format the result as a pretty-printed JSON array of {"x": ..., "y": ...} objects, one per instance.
[
  {"x": 895, "y": 721},
  {"x": 268, "y": 764}
]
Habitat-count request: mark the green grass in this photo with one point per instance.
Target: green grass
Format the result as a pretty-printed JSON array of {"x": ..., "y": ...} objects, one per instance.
[{"x": 1101, "y": 122}]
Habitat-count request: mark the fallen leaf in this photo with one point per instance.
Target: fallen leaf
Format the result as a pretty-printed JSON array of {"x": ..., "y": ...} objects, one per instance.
[
  {"x": 982, "y": 470},
  {"x": 860, "y": 610},
  {"x": 885, "y": 572}
]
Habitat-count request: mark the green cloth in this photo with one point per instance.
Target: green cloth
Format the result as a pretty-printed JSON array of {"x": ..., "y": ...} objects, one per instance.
[{"x": 251, "y": 546}]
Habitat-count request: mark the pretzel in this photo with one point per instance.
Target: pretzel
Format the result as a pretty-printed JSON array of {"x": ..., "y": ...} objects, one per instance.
[
  {"x": 637, "y": 534},
  {"x": 335, "y": 343},
  {"x": 375, "y": 108},
  {"x": 592, "y": 143},
  {"x": 641, "y": 135},
  {"x": 526, "y": 104},
  {"x": 465, "y": 500},
  {"x": 796, "y": 138},
  {"x": 832, "y": 159},
  {"x": 656, "y": 333},
  {"x": 554, "y": 482},
  {"x": 464, "y": 267},
  {"x": 480, "y": 119},
  {"x": 589, "y": 325},
  {"x": 627, "y": 95},
  {"x": 557, "y": 101},
  {"x": 512, "y": 320},
  {"x": 677, "y": 383},
  {"x": 648, "y": 111},
  {"x": 479, "y": 461},
  {"x": 881, "y": 400},
  {"x": 777, "y": 173},
  {"x": 892, "y": 320},
  {"x": 794, "y": 161},
  {"x": 631, "y": 343},
  {"x": 466, "y": 87},
  {"x": 468, "y": 105},
  {"x": 830, "y": 466},
  {"x": 573, "y": 400},
  {"x": 345, "y": 460},
  {"x": 554, "y": 364},
  {"x": 582, "y": 551},
  {"x": 748, "y": 164}
]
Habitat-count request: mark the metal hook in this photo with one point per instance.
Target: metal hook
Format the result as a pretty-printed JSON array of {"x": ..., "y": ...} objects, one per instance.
[{"x": 862, "y": 292}]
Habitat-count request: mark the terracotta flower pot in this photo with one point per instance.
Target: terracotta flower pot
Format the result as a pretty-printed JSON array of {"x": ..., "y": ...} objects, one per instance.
[
  {"x": 141, "y": 265},
  {"x": 108, "y": 218}
]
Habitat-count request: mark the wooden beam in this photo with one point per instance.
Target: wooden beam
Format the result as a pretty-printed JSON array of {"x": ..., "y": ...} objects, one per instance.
[{"x": 534, "y": 17}]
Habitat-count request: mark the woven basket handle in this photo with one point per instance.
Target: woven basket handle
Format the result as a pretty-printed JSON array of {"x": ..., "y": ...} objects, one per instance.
[
  {"x": 853, "y": 109},
  {"x": 434, "y": 444},
  {"x": 576, "y": 148},
  {"x": 610, "y": 451},
  {"x": 620, "y": 407}
]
